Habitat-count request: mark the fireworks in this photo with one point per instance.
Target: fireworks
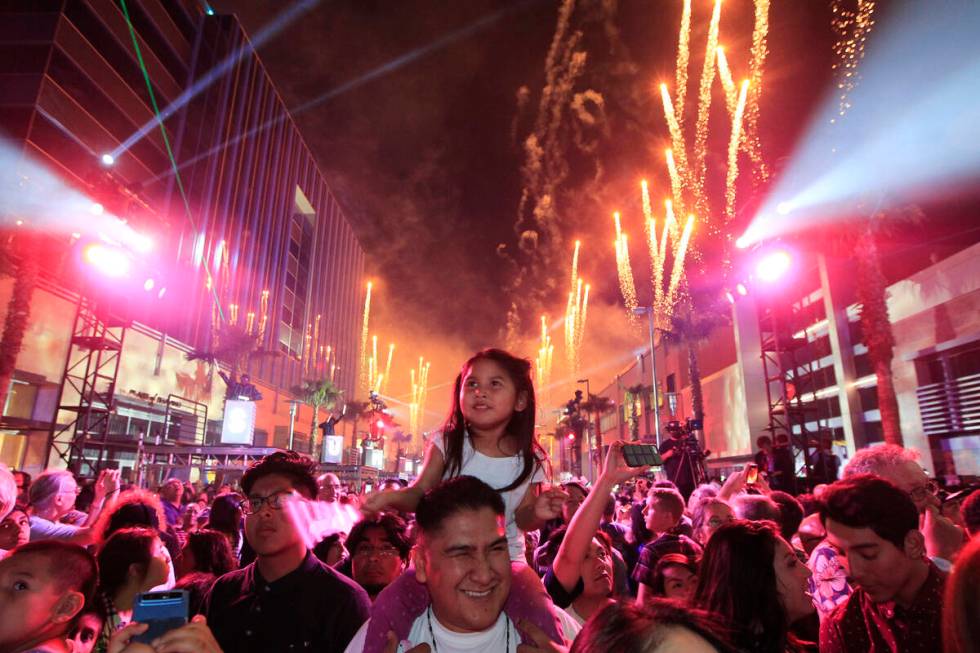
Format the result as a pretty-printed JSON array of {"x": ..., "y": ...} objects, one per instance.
[
  {"x": 678, "y": 269},
  {"x": 704, "y": 107},
  {"x": 387, "y": 374},
  {"x": 364, "y": 372},
  {"x": 574, "y": 320},
  {"x": 750, "y": 136},
  {"x": 625, "y": 270},
  {"x": 676, "y": 184},
  {"x": 733, "y": 153},
  {"x": 852, "y": 28},
  {"x": 416, "y": 407},
  {"x": 543, "y": 362},
  {"x": 263, "y": 312},
  {"x": 676, "y": 158},
  {"x": 725, "y": 74},
  {"x": 683, "y": 56}
]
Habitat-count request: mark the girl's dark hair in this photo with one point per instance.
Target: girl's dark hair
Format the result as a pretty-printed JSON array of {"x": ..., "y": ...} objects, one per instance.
[
  {"x": 633, "y": 628},
  {"x": 212, "y": 552},
  {"x": 738, "y": 583},
  {"x": 670, "y": 560},
  {"x": 226, "y": 516},
  {"x": 197, "y": 585},
  {"x": 521, "y": 425},
  {"x": 125, "y": 547}
]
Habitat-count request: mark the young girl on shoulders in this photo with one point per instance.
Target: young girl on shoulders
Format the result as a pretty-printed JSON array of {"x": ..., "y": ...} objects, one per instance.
[{"x": 490, "y": 435}]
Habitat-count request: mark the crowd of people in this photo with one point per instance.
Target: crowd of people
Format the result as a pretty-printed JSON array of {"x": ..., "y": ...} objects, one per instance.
[{"x": 483, "y": 551}]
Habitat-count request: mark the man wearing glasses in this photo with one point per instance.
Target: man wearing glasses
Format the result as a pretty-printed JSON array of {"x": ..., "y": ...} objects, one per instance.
[
  {"x": 379, "y": 549},
  {"x": 286, "y": 599},
  {"x": 943, "y": 539},
  {"x": 53, "y": 495}
]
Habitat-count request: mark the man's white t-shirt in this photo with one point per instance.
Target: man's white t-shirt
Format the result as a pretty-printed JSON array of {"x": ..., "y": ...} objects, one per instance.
[
  {"x": 492, "y": 640},
  {"x": 499, "y": 473},
  {"x": 450, "y": 642}
]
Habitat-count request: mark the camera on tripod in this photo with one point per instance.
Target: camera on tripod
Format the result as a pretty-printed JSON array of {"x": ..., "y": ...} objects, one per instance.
[{"x": 685, "y": 433}]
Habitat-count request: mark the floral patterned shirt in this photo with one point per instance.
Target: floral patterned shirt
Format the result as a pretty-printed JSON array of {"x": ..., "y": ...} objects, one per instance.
[{"x": 828, "y": 584}]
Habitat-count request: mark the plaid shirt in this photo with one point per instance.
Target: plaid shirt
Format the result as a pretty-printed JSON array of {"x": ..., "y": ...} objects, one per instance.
[
  {"x": 110, "y": 626},
  {"x": 671, "y": 541}
]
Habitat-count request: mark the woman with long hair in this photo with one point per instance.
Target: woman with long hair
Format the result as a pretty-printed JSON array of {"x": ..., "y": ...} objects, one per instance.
[
  {"x": 751, "y": 577},
  {"x": 131, "y": 561},
  {"x": 206, "y": 551}
]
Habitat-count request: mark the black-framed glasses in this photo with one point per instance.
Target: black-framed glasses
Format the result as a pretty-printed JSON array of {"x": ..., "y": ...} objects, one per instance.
[{"x": 276, "y": 501}]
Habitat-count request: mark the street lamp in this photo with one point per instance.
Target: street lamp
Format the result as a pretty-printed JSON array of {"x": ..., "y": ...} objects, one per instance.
[
  {"x": 588, "y": 428},
  {"x": 648, "y": 311}
]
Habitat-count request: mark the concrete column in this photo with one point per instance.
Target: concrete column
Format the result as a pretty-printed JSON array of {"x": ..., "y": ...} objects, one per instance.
[
  {"x": 842, "y": 352},
  {"x": 749, "y": 422}
]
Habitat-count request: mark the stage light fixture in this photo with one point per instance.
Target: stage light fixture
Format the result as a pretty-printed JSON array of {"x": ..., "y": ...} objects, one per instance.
[
  {"x": 773, "y": 266},
  {"x": 783, "y": 208},
  {"x": 729, "y": 296},
  {"x": 148, "y": 285},
  {"x": 108, "y": 159},
  {"x": 741, "y": 289},
  {"x": 110, "y": 261},
  {"x": 97, "y": 209}
]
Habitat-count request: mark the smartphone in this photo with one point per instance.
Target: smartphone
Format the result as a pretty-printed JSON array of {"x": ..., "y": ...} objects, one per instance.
[
  {"x": 163, "y": 611},
  {"x": 642, "y": 455},
  {"x": 752, "y": 477}
]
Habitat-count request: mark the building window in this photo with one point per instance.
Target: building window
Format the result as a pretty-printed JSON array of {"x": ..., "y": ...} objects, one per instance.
[
  {"x": 292, "y": 326},
  {"x": 949, "y": 391}
]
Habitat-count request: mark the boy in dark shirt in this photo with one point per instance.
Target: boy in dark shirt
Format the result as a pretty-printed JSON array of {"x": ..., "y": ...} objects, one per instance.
[
  {"x": 665, "y": 507},
  {"x": 286, "y": 599}
]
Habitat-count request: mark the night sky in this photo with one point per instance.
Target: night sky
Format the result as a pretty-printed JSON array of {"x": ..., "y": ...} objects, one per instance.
[{"x": 426, "y": 159}]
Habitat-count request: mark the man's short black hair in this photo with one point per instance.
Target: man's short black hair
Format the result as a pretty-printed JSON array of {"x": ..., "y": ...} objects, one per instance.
[
  {"x": 869, "y": 501},
  {"x": 790, "y": 513},
  {"x": 71, "y": 567},
  {"x": 395, "y": 528},
  {"x": 299, "y": 469},
  {"x": 452, "y": 496}
]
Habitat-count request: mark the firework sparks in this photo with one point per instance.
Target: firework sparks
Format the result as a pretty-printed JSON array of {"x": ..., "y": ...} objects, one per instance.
[
  {"x": 543, "y": 363},
  {"x": 249, "y": 322},
  {"x": 749, "y": 140},
  {"x": 373, "y": 369},
  {"x": 683, "y": 57},
  {"x": 733, "y": 152},
  {"x": 365, "y": 382},
  {"x": 678, "y": 269},
  {"x": 852, "y": 28},
  {"x": 624, "y": 269},
  {"x": 263, "y": 312},
  {"x": 416, "y": 407},
  {"x": 578, "y": 244},
  {"x": 676, "y": 184},
  {"x": 704, "y": 108},
  {"x": 387, "y": 374},
  {"x": 727, "y": 82},
  {"x": 676, "y": 157},
  {"x": 750, "y": 136}
]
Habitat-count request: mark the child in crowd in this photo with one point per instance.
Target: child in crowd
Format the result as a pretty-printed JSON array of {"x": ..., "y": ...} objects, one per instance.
[
  {"x": 665, "y": 507},
  {"x": 489, "y": 435},
  {"x": 43, "y": 588}
]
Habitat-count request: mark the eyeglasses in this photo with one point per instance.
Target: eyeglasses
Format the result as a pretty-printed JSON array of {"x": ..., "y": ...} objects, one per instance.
[
  {"x": 924, "y": 491},
  {"x": 366, "y": 551},
  {"x": 276, "y": 501}
]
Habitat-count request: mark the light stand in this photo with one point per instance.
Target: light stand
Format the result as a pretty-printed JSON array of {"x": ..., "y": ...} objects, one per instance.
[{"x": 648, "y": 311}]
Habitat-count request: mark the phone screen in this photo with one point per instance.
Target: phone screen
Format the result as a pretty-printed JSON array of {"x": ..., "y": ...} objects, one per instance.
[
  {"x": 163, "y": 611},
  {"x": 753, "y": 476}
]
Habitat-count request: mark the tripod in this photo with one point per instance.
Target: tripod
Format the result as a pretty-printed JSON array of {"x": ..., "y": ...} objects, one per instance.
[{"x": 690, "y": 466}]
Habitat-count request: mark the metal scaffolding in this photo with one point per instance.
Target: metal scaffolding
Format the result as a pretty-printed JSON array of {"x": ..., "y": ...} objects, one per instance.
[
  {"x": 789, "y": 378},
  {"x": 88, "y": 386}
]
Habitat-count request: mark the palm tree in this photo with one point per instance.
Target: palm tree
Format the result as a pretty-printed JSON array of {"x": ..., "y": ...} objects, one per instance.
[
  {"x": 316, "y": 393},
  {"x": 357, "y": 410},
  {"x": 876, "y": 331},
  {"x": 691, "y": 326},
  {"x": 233, "y": 345},
  {"x": 25, "y": 272},
  {"x": 597, "y": 406},
  {"x": 633, "y": 393}
]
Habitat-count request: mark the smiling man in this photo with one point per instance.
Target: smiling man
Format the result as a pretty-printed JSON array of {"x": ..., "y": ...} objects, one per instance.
[
  {"x": 462, "y": 557},
  {"x": 286, "y": 600},
  {"x": 897, "y": 604}
]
